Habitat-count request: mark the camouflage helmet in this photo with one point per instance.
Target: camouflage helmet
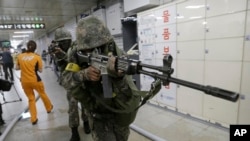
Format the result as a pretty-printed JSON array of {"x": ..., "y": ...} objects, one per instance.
[
  {"x": 62, "y": 34},
  {"x": 92, "y": 33}
]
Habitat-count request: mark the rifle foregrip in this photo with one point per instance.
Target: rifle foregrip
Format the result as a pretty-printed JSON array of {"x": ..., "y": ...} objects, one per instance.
[{"x": 221, "y": 93}]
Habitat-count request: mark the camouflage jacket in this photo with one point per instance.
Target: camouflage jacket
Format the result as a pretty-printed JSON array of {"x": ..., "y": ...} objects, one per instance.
[{"x": 123, "y": 103}]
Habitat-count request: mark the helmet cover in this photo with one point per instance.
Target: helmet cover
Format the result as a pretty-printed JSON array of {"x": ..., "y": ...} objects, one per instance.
[
  {"x": 62, "y": 34},
  {"x": 92, "y": 33}
]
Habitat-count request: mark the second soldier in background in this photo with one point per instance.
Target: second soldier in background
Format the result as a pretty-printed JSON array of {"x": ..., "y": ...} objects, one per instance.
[{"x": 64, "y": 43}]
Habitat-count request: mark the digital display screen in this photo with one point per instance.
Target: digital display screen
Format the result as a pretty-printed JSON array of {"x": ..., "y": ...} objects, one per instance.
[
  {"x": 22, "y": 26},
  {"x": 5, "y": 44}
]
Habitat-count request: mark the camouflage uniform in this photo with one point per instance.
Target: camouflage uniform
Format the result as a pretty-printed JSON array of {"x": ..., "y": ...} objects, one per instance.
[
  {"x": 107, "y": 122},
  {"x": 73, "y": 107},
  {"x": 61, "y": 59}
]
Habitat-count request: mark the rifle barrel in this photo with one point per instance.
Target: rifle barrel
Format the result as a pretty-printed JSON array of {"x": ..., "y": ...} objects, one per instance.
[
  {"x": 214, "y": 91},
  {"x": 152, "y": 67}
]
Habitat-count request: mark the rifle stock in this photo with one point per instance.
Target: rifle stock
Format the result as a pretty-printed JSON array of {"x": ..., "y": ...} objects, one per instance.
[{"x": 131, "y": 67}]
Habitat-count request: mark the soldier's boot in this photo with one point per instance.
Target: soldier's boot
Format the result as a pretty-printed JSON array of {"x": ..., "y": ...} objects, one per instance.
[
  {"x": 86, "y": 127},
  {"x": 75, "y": 135}
]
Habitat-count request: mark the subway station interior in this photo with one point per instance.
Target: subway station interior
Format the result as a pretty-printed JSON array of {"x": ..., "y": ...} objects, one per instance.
[{"x": 204, "y": 92}]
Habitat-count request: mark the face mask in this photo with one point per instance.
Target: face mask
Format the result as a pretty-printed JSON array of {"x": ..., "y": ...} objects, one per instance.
[{"x": 64, "y": 44}]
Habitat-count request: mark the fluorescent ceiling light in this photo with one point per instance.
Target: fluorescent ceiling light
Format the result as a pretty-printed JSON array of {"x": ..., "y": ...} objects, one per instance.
[
  {"x": 197, "y": 17},
  {"x": 20, "y": 36},
  {"x": 180, "y": 17},
  {"x": 204, "y": 22},
  {"x": 24, "y": 32},
  {"x": 195, "y": 6}
]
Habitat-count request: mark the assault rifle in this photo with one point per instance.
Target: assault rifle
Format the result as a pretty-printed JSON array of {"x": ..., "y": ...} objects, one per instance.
[{"x": 131, "y": 67}]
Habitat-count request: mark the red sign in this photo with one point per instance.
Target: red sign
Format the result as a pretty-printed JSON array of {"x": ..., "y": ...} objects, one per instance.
[
  {"x": 166, "y": 34},
  {"x": 166, "y": 50},
  {"x": 165, "y": 16}
]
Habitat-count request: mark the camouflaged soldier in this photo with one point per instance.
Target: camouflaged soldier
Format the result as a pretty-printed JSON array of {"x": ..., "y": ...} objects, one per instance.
[
  {"x": 63, "y": 39},
  {"x": 109, "y": 118}
]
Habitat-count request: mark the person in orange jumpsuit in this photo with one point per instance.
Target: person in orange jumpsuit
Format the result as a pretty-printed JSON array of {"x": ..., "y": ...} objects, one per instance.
[{"x": 30, "y": 64}]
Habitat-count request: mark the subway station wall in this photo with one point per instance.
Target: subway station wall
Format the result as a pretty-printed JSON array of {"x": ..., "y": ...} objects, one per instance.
[{"x": 209, "y": 41}]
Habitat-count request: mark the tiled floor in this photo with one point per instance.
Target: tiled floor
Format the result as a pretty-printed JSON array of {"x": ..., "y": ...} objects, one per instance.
[{"x": 155, "y": 122}]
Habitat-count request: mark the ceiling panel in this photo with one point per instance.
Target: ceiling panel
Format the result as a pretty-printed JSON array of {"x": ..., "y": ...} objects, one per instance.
[
  {"x": 51, "y": 12},
  {"x": 12, "y": 3}
]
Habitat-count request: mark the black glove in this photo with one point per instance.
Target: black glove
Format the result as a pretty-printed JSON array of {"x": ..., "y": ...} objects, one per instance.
[{"x": 111, "y": 68}]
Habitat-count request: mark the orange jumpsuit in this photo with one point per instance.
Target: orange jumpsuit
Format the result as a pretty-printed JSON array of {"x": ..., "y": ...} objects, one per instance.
[{"x": 29, "y": 64}]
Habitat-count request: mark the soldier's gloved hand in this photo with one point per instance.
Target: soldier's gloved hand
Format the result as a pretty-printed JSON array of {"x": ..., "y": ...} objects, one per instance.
[
  {"x": 92, "y": 74},
  {"x": 111, "y": 68},
  {"x": 60, "y": 54},
  {"x": 57, "y": 50}
]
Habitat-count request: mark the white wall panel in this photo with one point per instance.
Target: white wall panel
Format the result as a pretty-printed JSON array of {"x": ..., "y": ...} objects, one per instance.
[
  {"x": 232, "y": 25},
  {"x": 148, "y": 51},
  {"x": 147, "y": 80},
  {"x": 244, "y": 108},
  {"x": 165, "y": 15},
  {"x": 193, "y": 30},
  {"x": 248, "y": 7},
  {"x": 190, "y": 50},
  {"x": 190, "y": 100},
  {"x": 146, "y": 19},
  {"x": 248, "y": 22},
  {"x": 229, "y": 49},
  {"x": 192, "y": 71},
  {"x": 247, "y": 38},
  {"x": 219, "y": 110},
  {"x": 165, "y": 33},
  {"x": 167, "y": 95},
  {"x": 190, "y": 10},
  {"x": 165, "y": 48},
  {"x": 247, "y": 51},
  {"x": 146, "y": 31},
  {"x": 226, "y": 75},
  {"x": 113, "y": 14},
  {"x": 219, "y": 7},
  {"x": 146, "y": 35}
]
